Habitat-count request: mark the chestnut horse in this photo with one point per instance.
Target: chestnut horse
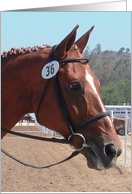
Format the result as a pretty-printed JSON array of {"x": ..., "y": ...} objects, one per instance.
[{"x": 57, "y": 84}]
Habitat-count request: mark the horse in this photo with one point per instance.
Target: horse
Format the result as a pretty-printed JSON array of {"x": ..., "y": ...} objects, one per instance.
[
  {"x": 57, "y": 84},
  {"x": 27, "y": 117}
]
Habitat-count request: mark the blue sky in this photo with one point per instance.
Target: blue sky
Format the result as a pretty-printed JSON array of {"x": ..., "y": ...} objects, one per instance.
[{"x": 112, "y": 29}]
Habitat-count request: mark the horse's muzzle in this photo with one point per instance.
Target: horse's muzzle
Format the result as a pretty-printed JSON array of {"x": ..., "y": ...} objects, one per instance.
[
  {"x": 99, "y": 155},
  {"x": 100, "y": 159}
]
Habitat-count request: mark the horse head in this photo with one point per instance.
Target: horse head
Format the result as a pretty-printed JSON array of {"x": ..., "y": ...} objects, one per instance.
[{"x": 78, "y": 90}]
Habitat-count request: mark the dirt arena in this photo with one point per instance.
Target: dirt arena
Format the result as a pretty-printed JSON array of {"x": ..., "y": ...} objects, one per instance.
[{"x": 71, "y": 176}]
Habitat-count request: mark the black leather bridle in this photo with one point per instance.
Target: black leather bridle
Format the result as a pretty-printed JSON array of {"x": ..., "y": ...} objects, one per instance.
[{"x": 62, "y": 104}]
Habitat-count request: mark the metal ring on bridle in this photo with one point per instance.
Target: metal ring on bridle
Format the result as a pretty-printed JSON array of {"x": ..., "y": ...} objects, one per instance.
[{"x": 84, "y": 141}]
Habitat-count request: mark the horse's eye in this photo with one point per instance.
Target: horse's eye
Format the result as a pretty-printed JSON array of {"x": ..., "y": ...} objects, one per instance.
[{"x": 75, "y": 86}]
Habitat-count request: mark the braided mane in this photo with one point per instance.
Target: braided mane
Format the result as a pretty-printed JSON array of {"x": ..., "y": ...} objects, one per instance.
[{"x": 22, "y": 50}]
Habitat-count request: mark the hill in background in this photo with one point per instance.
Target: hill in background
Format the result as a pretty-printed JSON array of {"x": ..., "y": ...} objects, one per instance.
[{"x": 113, "y": 69}]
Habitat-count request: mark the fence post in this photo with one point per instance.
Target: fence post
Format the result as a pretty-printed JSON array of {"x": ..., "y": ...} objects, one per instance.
[
  {"x": 111, "y": 114},
  {"x": 125, "y": 150}
]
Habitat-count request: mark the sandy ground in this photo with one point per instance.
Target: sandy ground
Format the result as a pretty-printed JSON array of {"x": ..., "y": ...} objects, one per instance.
[{"x": 71, "y": 176}]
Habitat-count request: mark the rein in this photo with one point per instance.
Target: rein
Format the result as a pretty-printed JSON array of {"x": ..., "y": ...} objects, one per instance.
[
  {"x": 66, "y": 116},
  {"x": 75, "y": 153},
  {"x": 35, "y": 137}
]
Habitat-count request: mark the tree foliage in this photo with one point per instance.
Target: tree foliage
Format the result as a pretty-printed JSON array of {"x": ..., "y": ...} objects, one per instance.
[
  {"x": 116, "y": 93},
  {"x": 113, "y": 70}
]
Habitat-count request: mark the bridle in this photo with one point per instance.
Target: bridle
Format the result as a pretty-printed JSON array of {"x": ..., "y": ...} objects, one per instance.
[
  {"x": 62, "y": 104},
  {"x": 72, "y": 128}
]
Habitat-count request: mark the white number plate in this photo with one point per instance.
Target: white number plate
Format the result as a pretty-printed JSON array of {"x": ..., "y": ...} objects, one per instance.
[{"x": 50, "y": 69}]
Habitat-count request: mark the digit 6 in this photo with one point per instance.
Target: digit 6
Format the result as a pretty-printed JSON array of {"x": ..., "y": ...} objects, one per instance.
[{"x": 52, "y": 69}]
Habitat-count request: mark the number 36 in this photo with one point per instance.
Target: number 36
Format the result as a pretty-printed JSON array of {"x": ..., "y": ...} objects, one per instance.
[{"x": 50, "y": 70}]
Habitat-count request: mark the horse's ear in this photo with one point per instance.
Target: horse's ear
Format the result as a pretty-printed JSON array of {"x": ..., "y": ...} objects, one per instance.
[
  {"x": 65, "y": 44},
  {"x": 81, "y": 42}
]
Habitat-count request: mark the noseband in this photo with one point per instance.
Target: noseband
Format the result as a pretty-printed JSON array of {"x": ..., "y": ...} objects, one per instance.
[{"x": 64, "y": 109}]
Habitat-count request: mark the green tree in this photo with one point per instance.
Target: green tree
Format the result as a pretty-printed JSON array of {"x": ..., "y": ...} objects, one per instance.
[
  {"x": 86, "y": 52},
  {"x": 98, "y": 48},
  {"x": 116, "y": 93},
  {"x": 121, "y": 50},
  {"x": 127, "y": 50}
]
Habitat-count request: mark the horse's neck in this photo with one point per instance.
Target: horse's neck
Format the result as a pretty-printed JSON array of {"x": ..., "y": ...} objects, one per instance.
[{"x": 18, "y": 80}]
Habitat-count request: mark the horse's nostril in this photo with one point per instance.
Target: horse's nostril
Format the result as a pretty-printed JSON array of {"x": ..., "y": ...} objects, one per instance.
[{"x": 110, "y": 151}]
